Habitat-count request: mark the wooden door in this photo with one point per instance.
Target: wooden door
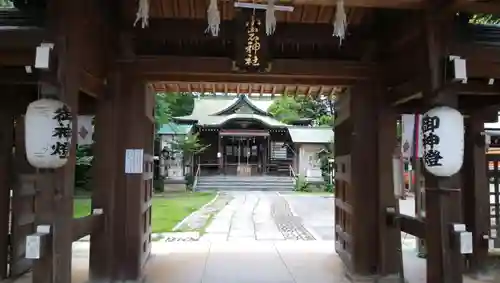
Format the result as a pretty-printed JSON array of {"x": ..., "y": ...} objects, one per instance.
[
  {"x": 22, "y": 205},
  {"x": 343, "y": 182},
  {"x": 146, "y": 207}
]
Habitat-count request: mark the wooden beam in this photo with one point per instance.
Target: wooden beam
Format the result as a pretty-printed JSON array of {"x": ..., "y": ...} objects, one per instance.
[
  {"x": 491, "y": 7},
  {"x": 17, "y": 57},
  {"x": 395, "y": 4},
  {"x": 475, "y": 51},
  {"x": 84, "y": 226},
  {"x": 17, "y": 76},
  {"x": 21, "y": 37},
  {"x": 219, "y": 69},
  {"x": 413, "y": 89},
  {"x": 401, "y": 87},
  {"x": 92, "y": 85},
  {"x": 188, "y": 29},
  {"x": 409, "y": 224}
]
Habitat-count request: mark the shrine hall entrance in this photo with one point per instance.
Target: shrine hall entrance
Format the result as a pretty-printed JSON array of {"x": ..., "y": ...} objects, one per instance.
[{"x": 243, "y": 155}]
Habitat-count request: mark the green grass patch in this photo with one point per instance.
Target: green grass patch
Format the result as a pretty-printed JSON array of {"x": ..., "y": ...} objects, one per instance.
[
  {"x": 168, "y": 210},
  {"x": 81, "y": 207}
]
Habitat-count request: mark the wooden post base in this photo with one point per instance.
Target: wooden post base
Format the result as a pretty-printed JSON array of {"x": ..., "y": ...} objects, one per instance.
[{"x": 353, "y": 278}]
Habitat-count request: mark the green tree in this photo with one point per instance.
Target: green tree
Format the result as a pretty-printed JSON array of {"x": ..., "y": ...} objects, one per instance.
[
  {"x": 170, "y": 105},
  {"x": 324, "y": 156},
  {"x": 285, "y": 109},
  {"x": 484, "y": 19},
  {"x": 288, "y": 108},
  {"x": 189, "y": 146},
  {"x": 6, "y": 4}
]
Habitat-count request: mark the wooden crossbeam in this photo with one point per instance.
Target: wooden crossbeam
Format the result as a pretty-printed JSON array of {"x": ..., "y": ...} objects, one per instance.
[
  {"x": 17, "y": 57},
  {"x": 413, "y": 89},
  {"x": 21, "y": 37},
  {"x": 189, "y": 29},
  {"x": 18, "y": 76},
  {"x": 219, "y": 69},
  {"x": 91, "y": 84},
  {"x": 84, "y": 226}
]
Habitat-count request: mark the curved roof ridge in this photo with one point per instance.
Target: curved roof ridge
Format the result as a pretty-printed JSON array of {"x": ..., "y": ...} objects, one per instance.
[{"x": 242, "y": 97}]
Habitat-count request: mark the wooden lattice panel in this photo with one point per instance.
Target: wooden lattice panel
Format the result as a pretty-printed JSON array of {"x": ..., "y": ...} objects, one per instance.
[
  {"x": 22, "y": 205},
  {"x": 494, "y": 189},
  {"x": 343, "y": 180},
  {"x": 147, "y": 197},
  {"x": 343, "y": 208}
]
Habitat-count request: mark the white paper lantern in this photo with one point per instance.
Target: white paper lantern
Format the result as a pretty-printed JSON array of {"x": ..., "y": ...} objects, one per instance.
[
  {"x": 443, "y": 141},
  {"x": 48, "y": 130}
]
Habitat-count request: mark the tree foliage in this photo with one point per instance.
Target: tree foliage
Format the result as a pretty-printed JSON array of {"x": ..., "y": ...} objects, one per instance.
[
  {"x": 170, "y": 105},
  {"x": 484, "y": 19},
  {"x": 190, "y": 145},
  {"x": 288, "y": 108},
  {"x": 6, "y": 4}
]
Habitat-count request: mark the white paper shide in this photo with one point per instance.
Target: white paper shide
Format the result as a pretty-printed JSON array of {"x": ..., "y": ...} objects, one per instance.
[
  {"x": 443, "y": 141},
  {"x": 48, "y": 131}
]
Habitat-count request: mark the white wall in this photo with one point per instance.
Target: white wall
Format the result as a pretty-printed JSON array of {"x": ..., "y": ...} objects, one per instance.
[{"x": 309, "y": 165}]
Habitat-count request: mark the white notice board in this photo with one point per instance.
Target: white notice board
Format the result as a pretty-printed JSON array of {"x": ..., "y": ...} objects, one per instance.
[{"x": 134, "y": 161}]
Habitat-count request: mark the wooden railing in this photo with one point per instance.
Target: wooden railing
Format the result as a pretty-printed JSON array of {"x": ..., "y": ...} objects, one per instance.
[{"x": 84, "y": 226}]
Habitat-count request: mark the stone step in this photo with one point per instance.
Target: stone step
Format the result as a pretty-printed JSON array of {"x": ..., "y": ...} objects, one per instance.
[
  {"x": 244, "y": 183},
  {"x": 238, "y": 188},
  {"x": 287, "y": 180}
]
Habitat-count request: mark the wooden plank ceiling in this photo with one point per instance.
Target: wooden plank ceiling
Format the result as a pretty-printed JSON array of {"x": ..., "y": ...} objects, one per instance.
[
  {"x": 243, "y": 88},
  {"x": 303, "y": 13}
]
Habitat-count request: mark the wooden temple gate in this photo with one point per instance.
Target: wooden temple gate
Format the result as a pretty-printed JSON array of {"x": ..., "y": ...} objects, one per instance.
[{"x": 392, "y": 62}]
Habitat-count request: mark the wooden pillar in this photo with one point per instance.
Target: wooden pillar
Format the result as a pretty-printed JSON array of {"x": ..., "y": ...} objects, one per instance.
[
  {"x": 365, "y": 138},
  {"x": 131, "y": 211},
  {"x": 476, "y": 200},
  {"x": 442, "y": 195},
  {"x": 6, "y": 143},
  {"x": 24, "y": 195},
  {"x": 390, "y": 259},
  {"x": 104, "y": 172},
  {"x": 364, "y": 181}
]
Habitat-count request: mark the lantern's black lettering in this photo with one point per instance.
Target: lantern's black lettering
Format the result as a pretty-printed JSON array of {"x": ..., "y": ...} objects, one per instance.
[
  {"x": 430, "y": 123},
  {"x": 63, "y": 118},
  {"x": 430, "y": 140},
  {"x": 61, "y": 149},
  {"x": 432, "y": 157},
  {"x": 62, "y": 131},
  {"x": 62, "y": 114}
]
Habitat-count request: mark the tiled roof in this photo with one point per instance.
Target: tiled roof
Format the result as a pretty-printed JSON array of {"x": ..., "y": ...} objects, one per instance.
[
  {"x": 219, "y": 120},
  {"x": 173, "y": 128},
  {"x": 204, "y": 107},
  {"x": 311, "y": 134}
]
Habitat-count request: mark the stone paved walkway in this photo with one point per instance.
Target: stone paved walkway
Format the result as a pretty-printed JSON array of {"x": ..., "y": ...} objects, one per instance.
[
  {"x": 246, "y": 243},
  {"x": 262, "y": 216}
]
